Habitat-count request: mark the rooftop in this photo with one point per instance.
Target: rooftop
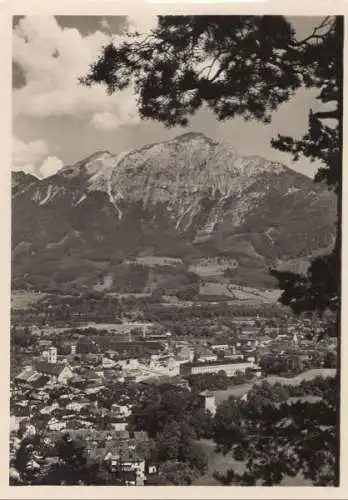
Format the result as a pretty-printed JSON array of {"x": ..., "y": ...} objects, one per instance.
[
  {"x": 217, "y": 363},
  {"x": 49, "y": 368}
]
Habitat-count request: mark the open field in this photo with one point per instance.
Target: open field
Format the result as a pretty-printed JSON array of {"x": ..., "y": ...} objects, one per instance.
[
  {"x": 112, "y": 328},
  {"x": 239, "y": 390},
  {"x": 151, "y": 260},
  {"x": 234, "y": 293},
  {"x": 116, "y": 327},
  {"x": 231, "y": 294},
  {"x": 217, "y": 463},
  {"x": 221, "y": 463},
  {"x": 24, "y": 299},
  {"x": 211, "y": 267}
]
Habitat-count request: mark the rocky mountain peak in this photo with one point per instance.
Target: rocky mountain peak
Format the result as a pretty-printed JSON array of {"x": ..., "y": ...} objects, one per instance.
[
  {"x": 193, "y": 136},
  {"x": 190, "y": 198}
]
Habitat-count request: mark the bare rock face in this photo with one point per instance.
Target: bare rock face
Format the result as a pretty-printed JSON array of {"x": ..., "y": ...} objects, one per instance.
[{"x": 190, "y": 200}]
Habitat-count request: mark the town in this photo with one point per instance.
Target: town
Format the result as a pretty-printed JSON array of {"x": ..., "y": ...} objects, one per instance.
[{"x": 83, "y": 382}]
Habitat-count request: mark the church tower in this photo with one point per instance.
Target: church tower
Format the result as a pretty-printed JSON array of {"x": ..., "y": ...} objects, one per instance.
[
  {"x": 207, "y": 400},
  {"x": 295, "y": 340},
  {"x": 52, "y": 355}
]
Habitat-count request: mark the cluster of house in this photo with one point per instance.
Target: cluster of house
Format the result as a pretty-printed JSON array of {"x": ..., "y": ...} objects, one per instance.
[
  {"x": 55, "y": 394},
  {"x": 173, "y": 358},
  {"x": 122, "y": 453},
  {"x": 296, "y": 346},
  {"x": 47, "y": 399}
]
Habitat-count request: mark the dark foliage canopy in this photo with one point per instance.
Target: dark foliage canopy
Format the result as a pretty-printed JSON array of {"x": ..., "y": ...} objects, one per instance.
[{"x": 278, "y": 438}]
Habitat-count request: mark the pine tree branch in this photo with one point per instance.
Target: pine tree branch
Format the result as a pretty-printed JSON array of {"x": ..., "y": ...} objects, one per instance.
[
  {"x": 328, "y": 21},
  {"x": 326, "y": 115}
]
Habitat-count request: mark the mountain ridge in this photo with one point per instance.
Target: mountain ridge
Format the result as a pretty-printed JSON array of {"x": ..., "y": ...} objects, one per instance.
[{"x": 189, "y": 198}]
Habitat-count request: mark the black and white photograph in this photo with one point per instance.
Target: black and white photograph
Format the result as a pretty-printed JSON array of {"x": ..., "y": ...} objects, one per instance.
[{"x": 176, "y": 241}]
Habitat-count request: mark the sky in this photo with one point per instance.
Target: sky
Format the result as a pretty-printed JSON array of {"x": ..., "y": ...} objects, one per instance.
[{"x": 57, "y": 122}]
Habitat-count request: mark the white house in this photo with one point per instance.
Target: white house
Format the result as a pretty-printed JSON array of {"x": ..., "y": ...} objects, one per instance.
[
  {"x": 129, "y": 364},
  {"x": 56, "y": 425},
  {"x": 108, "y": 363},
  {"x": 119, "y": 425},
  {"x": 58, "y": 372}
]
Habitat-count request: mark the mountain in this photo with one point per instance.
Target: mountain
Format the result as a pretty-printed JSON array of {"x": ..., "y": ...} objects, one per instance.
[
  {"x": 188, "y": 212},
  {"x": 21, "y": 180}
]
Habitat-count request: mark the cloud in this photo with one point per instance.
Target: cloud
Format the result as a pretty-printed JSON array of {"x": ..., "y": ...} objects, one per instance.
[
  {"x": 104, "y": 24},
  {"x": 104, "y": 121},
  {"x": 108, "y": 121},
  {"x": 50, "y": 166},
  {"x": 25, "y": 156},
  {"x": 52, "y": 59},
  {"x": 33, "y": 157},
  {"x": 142, "y": 20}
]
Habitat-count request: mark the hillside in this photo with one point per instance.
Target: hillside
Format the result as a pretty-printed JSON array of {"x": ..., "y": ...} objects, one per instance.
[{"x": 185, "y": 212}]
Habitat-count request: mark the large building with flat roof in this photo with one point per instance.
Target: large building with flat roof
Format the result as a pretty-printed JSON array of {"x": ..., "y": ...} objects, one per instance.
[{"x": 230, "y": 367}]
